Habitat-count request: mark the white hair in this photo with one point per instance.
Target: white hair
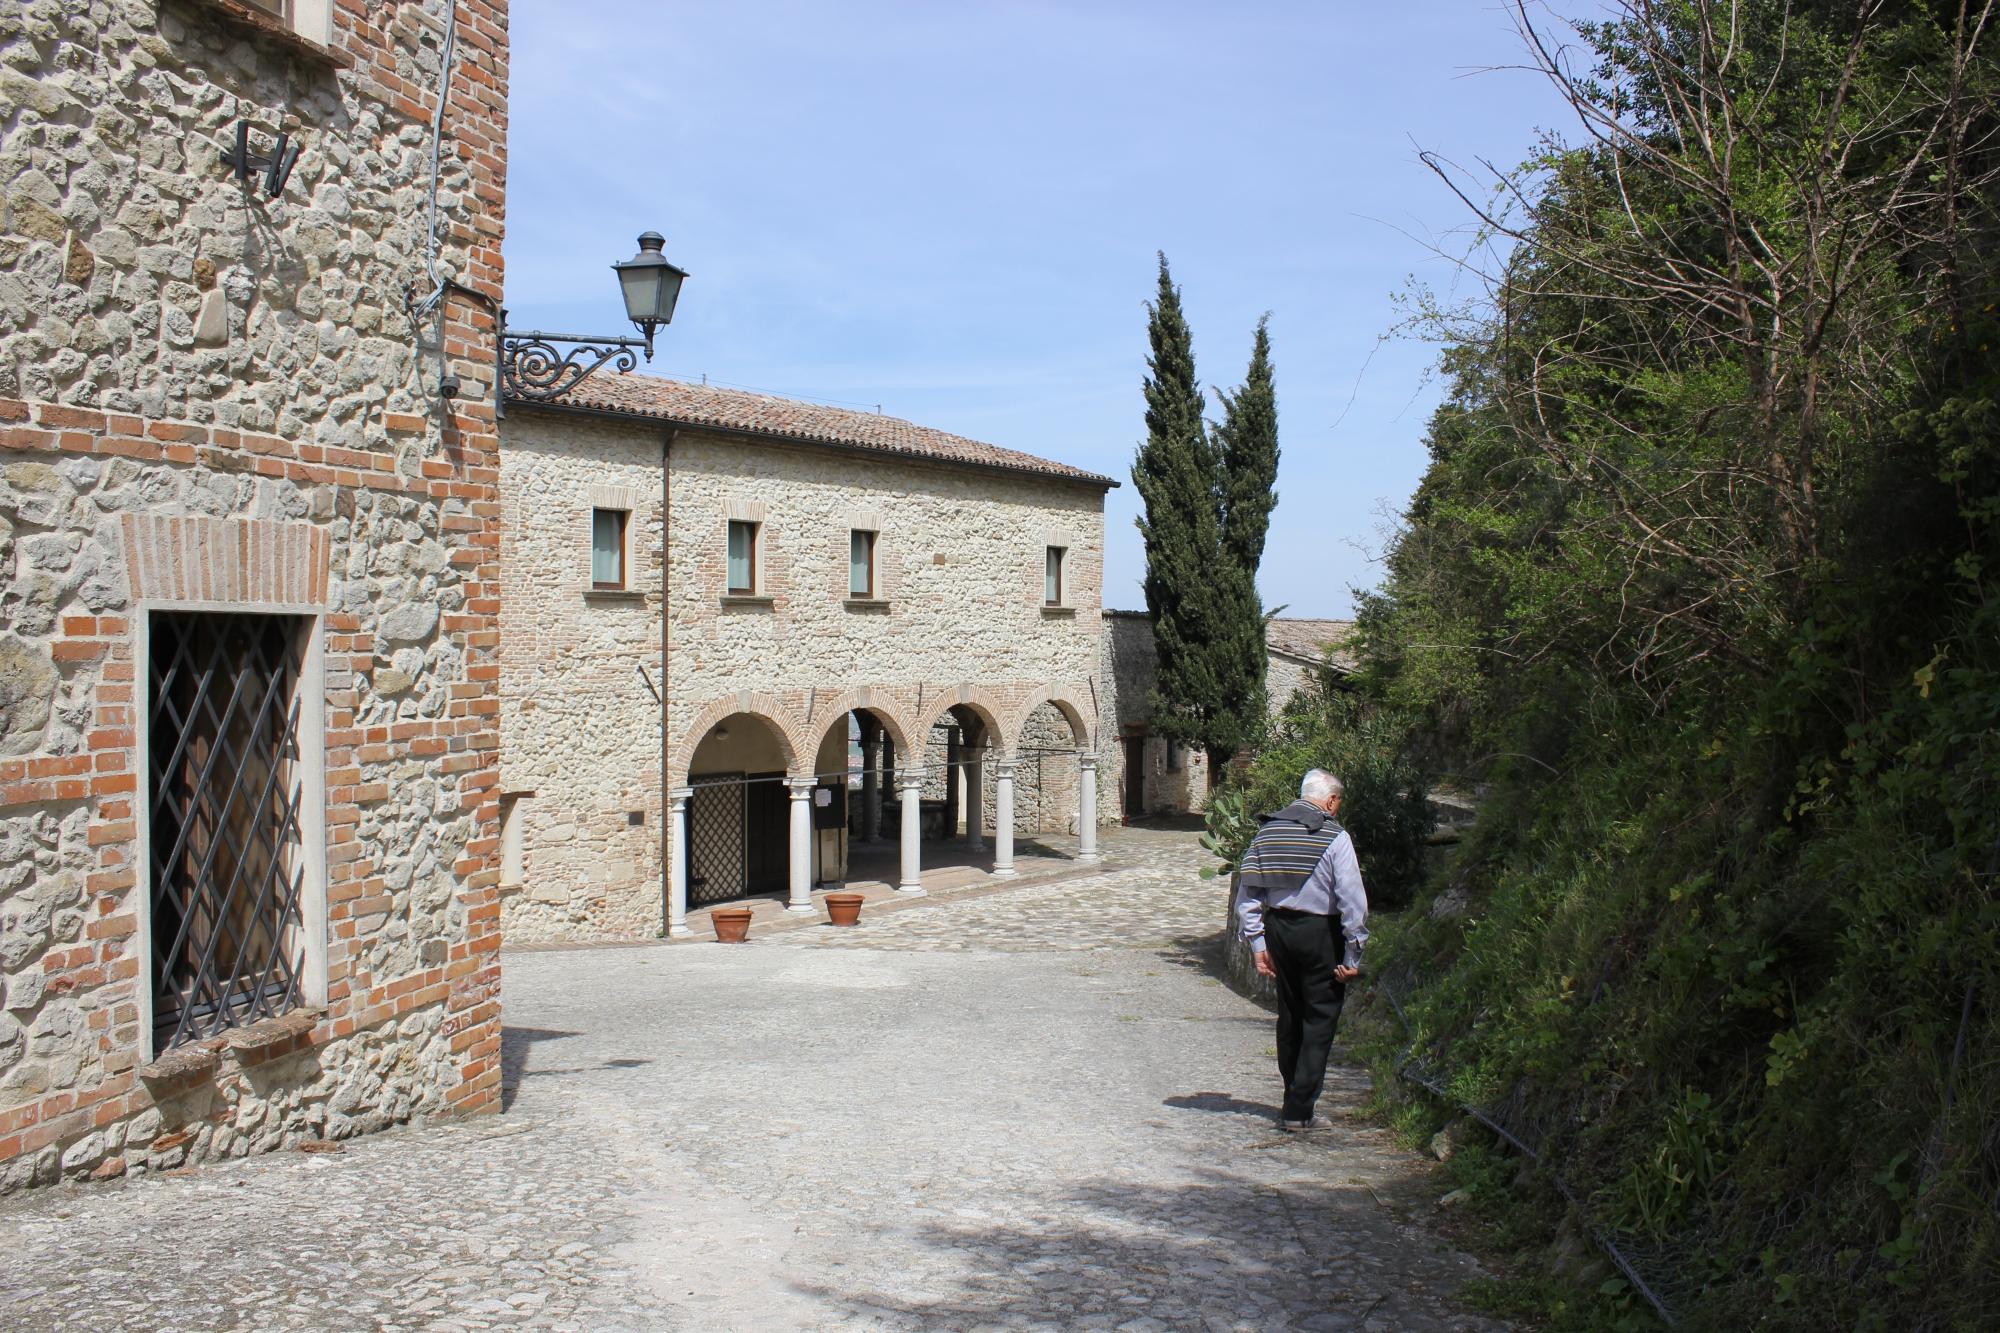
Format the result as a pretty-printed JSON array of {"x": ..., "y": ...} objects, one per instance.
[{"x": 1320, "y": 784}]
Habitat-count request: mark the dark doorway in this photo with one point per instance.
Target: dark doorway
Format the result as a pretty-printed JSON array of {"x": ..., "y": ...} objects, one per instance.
[
  {"x": 767, "y": 833},
  {"x": 1135, "y": 778},
  {"x": 739, "y": 840}
]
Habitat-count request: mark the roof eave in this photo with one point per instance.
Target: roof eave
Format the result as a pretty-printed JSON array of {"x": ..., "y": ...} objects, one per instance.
[{"x": 1089, "y": 479}]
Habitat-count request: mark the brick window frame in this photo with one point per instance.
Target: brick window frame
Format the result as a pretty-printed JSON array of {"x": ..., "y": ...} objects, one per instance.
[
  {"x": 752, "y": 533},
  {"x": 619, "y": 523},
  {"x": 1054, "y": 589},
  {"x": 869, "y": 540}
]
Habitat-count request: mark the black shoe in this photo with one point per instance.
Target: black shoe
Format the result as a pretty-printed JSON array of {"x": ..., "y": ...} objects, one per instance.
[{"x": 1310, "y": 1124}]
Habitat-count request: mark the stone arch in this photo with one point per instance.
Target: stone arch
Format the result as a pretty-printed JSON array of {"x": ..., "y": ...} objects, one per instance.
[
  {"x": 765, "y": 707},
  {"x": 1064, "y": 700},
  {"x": 980, "y": 702},
  {"x": 880, "y": 703}
]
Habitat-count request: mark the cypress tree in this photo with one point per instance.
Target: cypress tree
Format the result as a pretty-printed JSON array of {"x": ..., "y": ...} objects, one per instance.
[
  {"x": 1246, "y": 447},
  {"x": 1176, "y": 472}
]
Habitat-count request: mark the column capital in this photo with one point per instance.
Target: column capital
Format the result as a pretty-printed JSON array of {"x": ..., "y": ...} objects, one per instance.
[
  {"x": 801, "y": 788},
  {"x": 679, "y": 795},
  {"x": 1086, "y": 761},
  {"x": 909, "y": 778},
  {"x": 1004, "y": 768}
]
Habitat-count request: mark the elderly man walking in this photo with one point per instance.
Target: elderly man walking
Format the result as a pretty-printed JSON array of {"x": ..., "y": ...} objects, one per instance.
[{"x": 1302, "y": 907}]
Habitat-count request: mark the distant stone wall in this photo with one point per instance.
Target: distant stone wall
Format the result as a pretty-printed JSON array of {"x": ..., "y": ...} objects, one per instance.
[
  {"x": 579, "y": 725},
  {"x": 958, "y": 621},
  {"x": 212, "y": 397}
]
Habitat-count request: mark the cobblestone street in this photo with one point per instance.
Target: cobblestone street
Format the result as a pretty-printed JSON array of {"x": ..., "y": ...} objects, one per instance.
[{"x": 1030, "y": 1108}]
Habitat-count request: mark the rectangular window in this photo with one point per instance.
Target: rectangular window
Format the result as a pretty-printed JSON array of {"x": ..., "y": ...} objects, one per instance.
[
  {"x": 860, "y": 563},
  {"x": 1052, "y": 578},
  {"x": 226, "y": 795},
  {"x": 742, "y": 558},
  {"x": 607, "y": 547}
]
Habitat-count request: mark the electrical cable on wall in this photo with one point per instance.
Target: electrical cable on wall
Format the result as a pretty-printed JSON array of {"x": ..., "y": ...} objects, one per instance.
[{"x": 428, "y": 305}]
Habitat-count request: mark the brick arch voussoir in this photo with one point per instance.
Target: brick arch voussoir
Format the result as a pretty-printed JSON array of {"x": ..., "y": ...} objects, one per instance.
[
  {"x": 983, "y": 701},
  {"x": 885, "y": 704},
  {"x": 1066, "y": 699},
  {"x": 766, "y": 706}
]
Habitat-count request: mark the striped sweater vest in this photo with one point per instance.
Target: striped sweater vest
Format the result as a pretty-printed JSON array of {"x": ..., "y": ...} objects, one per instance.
[{"x": 1286, "y": 850}]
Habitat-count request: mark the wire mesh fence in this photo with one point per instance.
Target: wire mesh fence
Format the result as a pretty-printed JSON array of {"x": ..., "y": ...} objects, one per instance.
[{"x": 1659, "y": 1274}]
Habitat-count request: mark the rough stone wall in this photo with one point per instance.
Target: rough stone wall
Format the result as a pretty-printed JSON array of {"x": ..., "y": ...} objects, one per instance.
[
  {"x": 1131, "y": 669},
  {"x": 959, "y": 621},
  {"x": 580, "y": 728},
  {"x": 237, "y": 370},
  {"x": 960, "y": 558},
  {"x": 1286, "y": 676}
]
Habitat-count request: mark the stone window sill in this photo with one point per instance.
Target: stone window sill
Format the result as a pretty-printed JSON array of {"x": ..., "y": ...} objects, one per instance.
[
  {"x": 274, "y": 31},
  {"x": 613, "y": 595},
  {"x": 864, "y": 604},
  {"x": 1059, "y": 612},
  {"x": 251, "y": 1044},
  {"x": 749, "y": 600}
]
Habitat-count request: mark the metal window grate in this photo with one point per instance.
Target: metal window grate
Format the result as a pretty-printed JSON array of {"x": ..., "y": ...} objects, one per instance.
[
  {"x": 716, "y": 869},
  {"x": 225, "y": 790}
]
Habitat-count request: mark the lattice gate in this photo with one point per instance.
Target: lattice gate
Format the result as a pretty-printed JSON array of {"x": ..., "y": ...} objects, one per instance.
[
  {"x": 716, "y": 841},
  {"x": 225, "y": 786}
]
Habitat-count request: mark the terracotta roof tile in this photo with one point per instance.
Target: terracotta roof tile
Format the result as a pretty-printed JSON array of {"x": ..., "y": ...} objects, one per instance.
[
  {"x": 1311, "y": 639},
  {"x": 707, "y": 405}
]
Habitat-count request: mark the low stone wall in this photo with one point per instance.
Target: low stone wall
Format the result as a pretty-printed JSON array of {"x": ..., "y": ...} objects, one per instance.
[
  {"x": 1238, "y": 969},
  {"x": 260, "y": 1088}
]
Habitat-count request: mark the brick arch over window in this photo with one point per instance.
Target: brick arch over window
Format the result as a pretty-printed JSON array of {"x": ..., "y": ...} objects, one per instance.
[
  {"x": 767, "y": 707},
  {"x": 232, "y": 561},
  {"x": 882, "y": 705},
  {"x": 1063, "y": 698},
  {"x": 983, "y": 703}
]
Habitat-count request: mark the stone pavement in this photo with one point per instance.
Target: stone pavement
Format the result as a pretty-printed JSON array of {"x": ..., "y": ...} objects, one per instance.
[{"x": 1031, "y": 1108}]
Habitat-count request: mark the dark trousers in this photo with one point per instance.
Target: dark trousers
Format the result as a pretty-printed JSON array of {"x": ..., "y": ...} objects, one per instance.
[{"x": 1304, "y": 948}]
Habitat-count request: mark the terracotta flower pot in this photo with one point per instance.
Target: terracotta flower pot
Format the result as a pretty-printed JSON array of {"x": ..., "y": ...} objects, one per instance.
[
  {"x": 843, "y": 909},
  {"x": 732, "y": 924}
]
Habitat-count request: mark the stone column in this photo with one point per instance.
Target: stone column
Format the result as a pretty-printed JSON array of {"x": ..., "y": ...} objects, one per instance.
[
  {"x": 677, "y": 866},
  {"x": 975, "y": 798},
  {"x": 871, "y": 779},
  {"x": 951, "y": 758},
  {"x": 800, "y": 899},
  {"x": 911, "y": 785},
  {"x": 1086, "y": 807},
  {"x": 1003, "y": 818}
]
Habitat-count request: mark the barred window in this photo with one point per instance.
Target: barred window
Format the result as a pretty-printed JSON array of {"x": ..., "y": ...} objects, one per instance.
[{"x": 225, "y": 794}]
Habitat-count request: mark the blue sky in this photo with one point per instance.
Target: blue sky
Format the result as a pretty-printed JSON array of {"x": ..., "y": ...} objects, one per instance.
[{"x": 951, "y": 210}]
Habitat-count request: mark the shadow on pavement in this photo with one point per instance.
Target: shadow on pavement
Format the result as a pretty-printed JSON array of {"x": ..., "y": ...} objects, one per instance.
[
  {"x": 1218, "y": 1252},
  {"x": 1223, "y": 1102},
  {"x": 515, "y": 1044}
]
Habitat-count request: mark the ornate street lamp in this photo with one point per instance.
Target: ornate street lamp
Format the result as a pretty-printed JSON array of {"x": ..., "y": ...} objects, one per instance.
[{"x": 534, "y": 368}]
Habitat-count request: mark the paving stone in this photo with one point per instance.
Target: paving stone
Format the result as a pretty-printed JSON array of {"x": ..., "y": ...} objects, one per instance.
[{"x": 1032, "y": 1108}]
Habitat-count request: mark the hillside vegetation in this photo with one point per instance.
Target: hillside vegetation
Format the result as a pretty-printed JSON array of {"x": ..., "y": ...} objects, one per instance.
[{"x": 1701, "y": 583}]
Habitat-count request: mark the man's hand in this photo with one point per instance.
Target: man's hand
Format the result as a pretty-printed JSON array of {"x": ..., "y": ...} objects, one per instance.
[
  {"x": 1265, "y": 967},
  {"x": 1344, "y": 974}
]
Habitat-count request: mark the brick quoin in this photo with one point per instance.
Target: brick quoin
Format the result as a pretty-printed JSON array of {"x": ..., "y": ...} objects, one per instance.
[{"x": 427, "y": 464}]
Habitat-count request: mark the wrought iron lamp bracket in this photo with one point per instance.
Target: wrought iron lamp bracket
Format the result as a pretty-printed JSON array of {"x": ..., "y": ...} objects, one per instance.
[{"x": 535, "y": 366}]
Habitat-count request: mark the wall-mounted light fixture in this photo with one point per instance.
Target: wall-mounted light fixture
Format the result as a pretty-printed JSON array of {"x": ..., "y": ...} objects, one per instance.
[
  {"x": 277, "y": 168},
  {"x": 532, "y": 367}
]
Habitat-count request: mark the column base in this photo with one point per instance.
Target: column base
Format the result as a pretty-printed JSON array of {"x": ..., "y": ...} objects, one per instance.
[
  {"x": 800, "y": 907},
  {"x": 912, "y": 891},
  {"x": 679, "y": 932},
  {"x": 1008, "y": 873},
  {"x": 1090, "y": 856}
]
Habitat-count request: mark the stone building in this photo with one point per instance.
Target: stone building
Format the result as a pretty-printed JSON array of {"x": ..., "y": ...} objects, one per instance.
[
  {"x": 874, "y": 632},
  {"x": 1147, "y": 774},
  {"x": 248, "y": 620}
]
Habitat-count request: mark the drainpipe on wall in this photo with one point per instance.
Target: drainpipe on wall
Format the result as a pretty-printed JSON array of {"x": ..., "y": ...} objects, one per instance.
[{"x": 666, "y": 820}]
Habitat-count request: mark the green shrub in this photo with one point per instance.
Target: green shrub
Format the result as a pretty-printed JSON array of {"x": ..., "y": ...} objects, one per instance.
[{"x": 1387, "y": 809}]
